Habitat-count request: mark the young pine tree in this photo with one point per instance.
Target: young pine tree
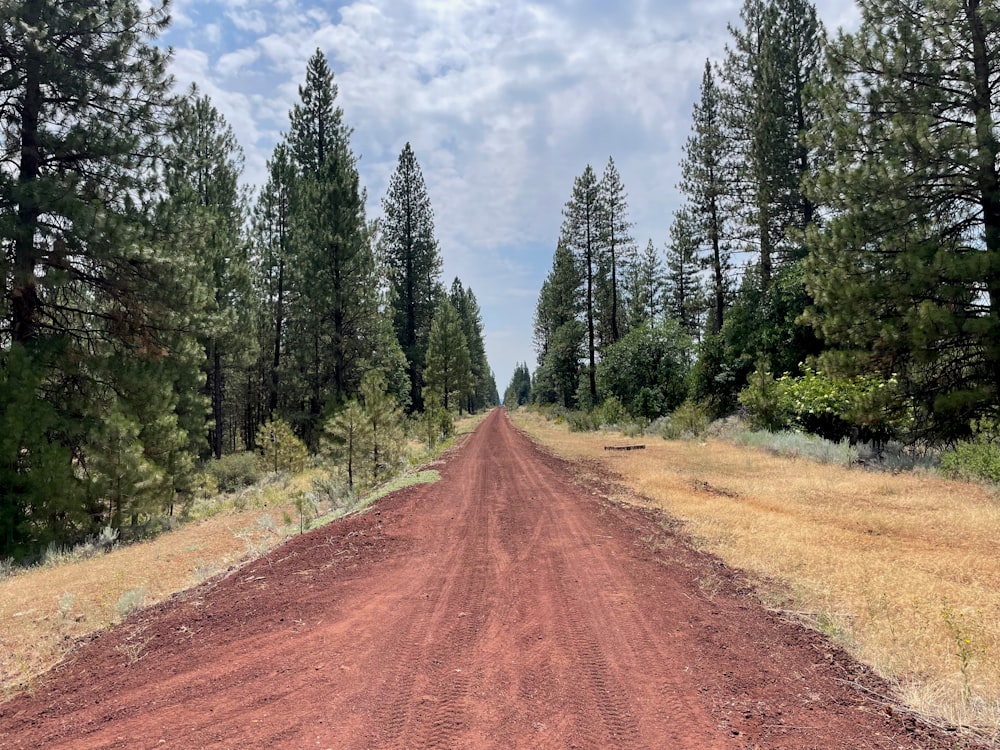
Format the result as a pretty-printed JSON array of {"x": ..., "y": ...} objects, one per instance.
[{"x": 449, "y": 369}]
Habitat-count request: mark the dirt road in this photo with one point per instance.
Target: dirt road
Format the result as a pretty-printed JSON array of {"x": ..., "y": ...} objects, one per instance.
[{"x": 505, "y": 606}]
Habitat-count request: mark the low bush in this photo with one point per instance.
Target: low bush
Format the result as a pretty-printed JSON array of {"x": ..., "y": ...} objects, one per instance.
[
  {"x": 977, "y": 459},
  {"x": 581, "y": 421},
  {"x": 611, "y": 412},
  {"x": 233, "y": 471},
  {"x": 864, "y": 408},
  {"x": 801, "y": 445}
]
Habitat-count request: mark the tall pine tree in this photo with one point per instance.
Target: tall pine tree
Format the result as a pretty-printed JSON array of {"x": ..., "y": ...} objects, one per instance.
[
  {"x": 333, "y": 278},
  {"x": 411, "y": 255},
  {"x": 449, "y": 368},
  {"x": 93, "y": 344},
  {"x": 684, "y": 295},
  {"x": 645, "y": 287},
  {"x": 582, "y": 236},
  {"x": 707, "y": 182},
  {"x": 767, "y": 108},
  {"x": 617, "y": 254},
  {"x": 203, "y": 168}
]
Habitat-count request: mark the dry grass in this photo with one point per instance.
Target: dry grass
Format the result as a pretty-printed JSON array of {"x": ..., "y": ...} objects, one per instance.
[
  {"x": 901, "y": 569},
  {"x": 45, "y": 610}
]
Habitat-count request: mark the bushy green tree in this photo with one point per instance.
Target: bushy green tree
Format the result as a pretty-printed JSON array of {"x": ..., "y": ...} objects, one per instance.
[
  {"x": 332, "y": 301},
  {"x": 382, "y": 436},
  {"x": 481, "y": 394},
  {"x": 279, "y": 448},
  {"x": 767, "y": 107},
  {"x": 206, "y": 210},
  {"x": 905, "y": 272},
  {"x": 98, "y": 305},
  {"x": 645, "y": 286},
  {"x": 647, "y": 370}
]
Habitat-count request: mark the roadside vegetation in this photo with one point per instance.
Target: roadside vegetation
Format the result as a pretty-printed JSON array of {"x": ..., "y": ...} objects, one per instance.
[
  {"x": 244, "y": 510},
  {"x": 900, "y": 568}
]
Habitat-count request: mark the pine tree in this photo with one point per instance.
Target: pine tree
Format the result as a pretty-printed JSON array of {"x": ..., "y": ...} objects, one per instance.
[
  {"x": 203, "y": 166},
  {"x": 465, "y": 303},
  {"x": 645, "y": 287},
  {"x": 617, "y": 254},
  {"x": 706, "y": 181},
  {"x": 96, "y": 312},
  {"x": 684, "y": 296},
  {"x": 411, "y": 254},
  {"x": 345, "y": 438},
  {"x": 449, "y": 371},
  {"x": 272, "y": 220},
  {"x": 906, "y": 272},
  {"x": 518, "y": 393},
  {"x": 333, "y": 302},
  {"x": 559, "y": 334},
  {"x": 382, "y": 437},
  {"x": 767, "y": 108},
  {"x": 581, "y": 235}
]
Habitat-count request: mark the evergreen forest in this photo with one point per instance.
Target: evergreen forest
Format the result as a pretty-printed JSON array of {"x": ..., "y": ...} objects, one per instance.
[
  {"x": 158, "y": 314},
  {"x": 834, "y": 266}
]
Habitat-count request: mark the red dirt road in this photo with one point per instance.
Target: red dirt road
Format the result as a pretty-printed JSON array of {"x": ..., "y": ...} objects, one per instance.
[{"x": 505, "y": 606}]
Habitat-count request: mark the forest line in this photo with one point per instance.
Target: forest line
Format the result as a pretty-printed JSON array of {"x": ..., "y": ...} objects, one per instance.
[
  {"x": 156, "y": 314},
  {"x": 835, "y": 264}
]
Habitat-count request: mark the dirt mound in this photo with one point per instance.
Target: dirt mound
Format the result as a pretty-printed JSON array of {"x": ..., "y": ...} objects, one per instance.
[{"x": 505, "y": 606}]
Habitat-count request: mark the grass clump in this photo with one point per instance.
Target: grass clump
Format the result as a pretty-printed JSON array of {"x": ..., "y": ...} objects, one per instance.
[{"x": 130, "y": 601}]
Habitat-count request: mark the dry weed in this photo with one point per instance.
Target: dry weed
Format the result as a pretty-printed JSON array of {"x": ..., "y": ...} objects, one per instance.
[{"x": 901, "y": 569}]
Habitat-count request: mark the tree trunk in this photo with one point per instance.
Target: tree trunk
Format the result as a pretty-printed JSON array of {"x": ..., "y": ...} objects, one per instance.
[{"x": 24, "y": 292}]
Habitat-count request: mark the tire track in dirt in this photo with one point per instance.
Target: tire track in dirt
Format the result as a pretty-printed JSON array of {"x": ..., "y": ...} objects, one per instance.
[{"x": 505, "y": 606}]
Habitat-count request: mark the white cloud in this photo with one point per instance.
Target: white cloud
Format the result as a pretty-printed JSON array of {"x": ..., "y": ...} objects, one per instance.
[{"x": 233, "y": 62}]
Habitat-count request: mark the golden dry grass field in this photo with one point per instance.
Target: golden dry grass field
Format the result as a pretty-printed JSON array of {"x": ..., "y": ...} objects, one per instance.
[
  {"x": 903, "y": 570},
  {"x": 44, "y": 610}
]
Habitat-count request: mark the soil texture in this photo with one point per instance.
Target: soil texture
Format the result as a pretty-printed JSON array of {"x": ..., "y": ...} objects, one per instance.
[{"x": 510, "y": 605}]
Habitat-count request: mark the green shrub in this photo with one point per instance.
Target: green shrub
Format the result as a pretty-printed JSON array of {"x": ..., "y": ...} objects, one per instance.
[
  {"x": 611, "y": 412},
  {"x": 975, "y": 459},
  {"x": 864, "y": 408},
  {"x": 764, "y": 400},
  {"x": 233, "y": 471},
  {"x": 581, "y": 421},
  {"x": 691, "y": 419}
]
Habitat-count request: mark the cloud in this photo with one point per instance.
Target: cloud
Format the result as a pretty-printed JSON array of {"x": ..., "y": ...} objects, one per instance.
[
  {"x": 233, "y": 62},
  {"x": 503, "y": 102}
]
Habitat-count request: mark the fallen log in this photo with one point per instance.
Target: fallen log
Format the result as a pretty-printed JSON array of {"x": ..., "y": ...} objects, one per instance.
[{"x": 624, "y": 447}]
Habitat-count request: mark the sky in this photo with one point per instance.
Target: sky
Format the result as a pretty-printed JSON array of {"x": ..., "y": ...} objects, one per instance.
[{"x": 504, "y": 102}]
